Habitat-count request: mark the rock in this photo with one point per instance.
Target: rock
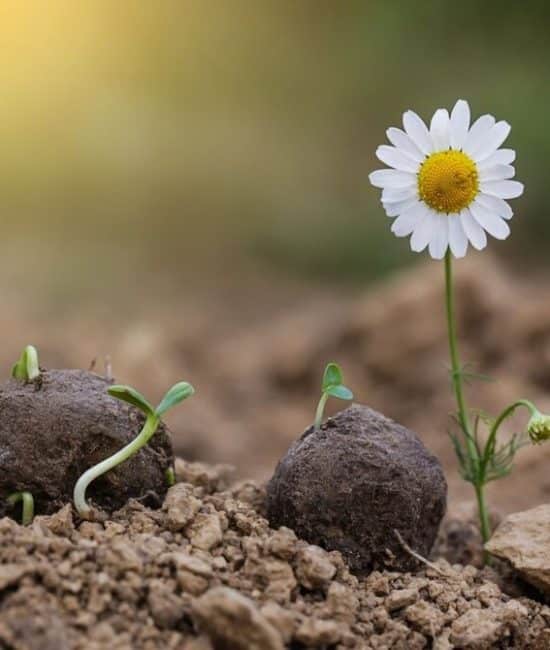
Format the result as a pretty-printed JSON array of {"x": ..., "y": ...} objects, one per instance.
[
  {"x": 350, "y": 484},
  {"x": 523, "y": 539},
  {"x": 55, "y": 428},
  {"x": 233, "y": 622}
]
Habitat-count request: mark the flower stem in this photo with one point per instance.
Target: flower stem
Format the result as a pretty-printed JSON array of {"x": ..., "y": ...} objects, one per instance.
[
  {"x": 27, "y": 499},
  {"x": 320, "y": 410},
  {"x": 79, "y": 496},
  {"x": 463, "y": 418}
]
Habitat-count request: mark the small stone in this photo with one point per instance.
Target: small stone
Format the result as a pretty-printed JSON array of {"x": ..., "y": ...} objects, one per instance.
[
  {"x": 180, "y": 506},
  {"x": 351, "y": 483},
  {"x": 283, "y": 543},
  {"x": 233, "y": 621},
  {"x": 10, "y": 574},
  {"x": 342, "y": 602},
  {"x": 523, "y": 539}
]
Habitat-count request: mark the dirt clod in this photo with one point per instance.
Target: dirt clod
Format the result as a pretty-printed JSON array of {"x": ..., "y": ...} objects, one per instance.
[
  {"x": 350, "y": 484},
  {"x": 54, "y": 430}
]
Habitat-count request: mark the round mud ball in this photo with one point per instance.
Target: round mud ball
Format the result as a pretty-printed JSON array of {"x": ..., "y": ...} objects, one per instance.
[
  {"x": 55, "y": 428},
  {"x": 352, "y": 483}
]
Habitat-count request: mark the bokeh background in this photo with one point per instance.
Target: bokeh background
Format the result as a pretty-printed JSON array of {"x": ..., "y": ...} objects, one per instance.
[{"x": 183, "y": 187}]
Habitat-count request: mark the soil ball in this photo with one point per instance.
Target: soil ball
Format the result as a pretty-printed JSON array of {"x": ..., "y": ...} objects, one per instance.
[
  {"x": 55, "y": 428},
  {"x": 349, "y": 485}
]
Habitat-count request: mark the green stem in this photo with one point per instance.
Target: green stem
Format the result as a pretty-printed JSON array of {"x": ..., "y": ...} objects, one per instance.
[
  {"x": 27, "y": 499},
  {"x": 79, "y": 496},
  {"x": 491, "y": 440},
  {"x": 485, "y": 525},
  {"x": 463, "y": 418},
  {"x": 320, "y": 410}
]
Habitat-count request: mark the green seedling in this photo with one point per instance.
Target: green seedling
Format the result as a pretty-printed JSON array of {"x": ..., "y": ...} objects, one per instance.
[
  {"x": 174, "y": 396},
  {"x": 27, "y": 500},
  {"x": 27, "y": 369},
  {"x": 332, "y": 387},
  {"x": 170, "y": 476}
]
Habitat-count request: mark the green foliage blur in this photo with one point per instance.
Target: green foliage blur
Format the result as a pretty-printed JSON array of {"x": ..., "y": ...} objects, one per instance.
[{"x": 185, "y": 137}]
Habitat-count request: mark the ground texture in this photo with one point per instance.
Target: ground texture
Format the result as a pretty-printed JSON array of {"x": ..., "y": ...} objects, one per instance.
[{"x": 206, "y": 572}]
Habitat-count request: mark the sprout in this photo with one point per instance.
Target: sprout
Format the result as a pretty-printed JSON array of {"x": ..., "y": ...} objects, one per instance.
[
  {"x": 28, "y": 505},
  {"x": 27, "y": 369},
  {"x": 170, "y": 476},
  {"x": 332, "y": 387},
  {"x": 174, "y": 396}
]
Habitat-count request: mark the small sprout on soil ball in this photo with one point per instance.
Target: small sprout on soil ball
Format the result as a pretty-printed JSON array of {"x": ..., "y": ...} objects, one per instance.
[
  {"x": 27, "y": 500},
  {"x": 174, "y": 396},
  {"x": 170, "y": 477},
  {"x": 27, "y": 369},
  {"x": 332, "y": 387}
]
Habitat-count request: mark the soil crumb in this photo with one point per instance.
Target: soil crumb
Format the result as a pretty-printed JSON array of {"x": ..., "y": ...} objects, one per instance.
[{"x": 206, "y": 572}]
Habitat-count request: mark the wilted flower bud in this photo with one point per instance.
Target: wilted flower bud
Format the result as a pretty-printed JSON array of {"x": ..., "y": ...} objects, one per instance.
[{"x": 538, "y": 427}]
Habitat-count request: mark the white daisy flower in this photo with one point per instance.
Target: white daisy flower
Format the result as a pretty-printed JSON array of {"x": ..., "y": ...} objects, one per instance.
[{"x": 448, "y": 184}]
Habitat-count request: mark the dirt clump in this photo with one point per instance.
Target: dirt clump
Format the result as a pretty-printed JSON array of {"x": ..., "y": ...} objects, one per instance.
[
  {"x": 137, "y": 580},
  {"x": 350, "y": 484},
  {"x": 55, "y": 428}
]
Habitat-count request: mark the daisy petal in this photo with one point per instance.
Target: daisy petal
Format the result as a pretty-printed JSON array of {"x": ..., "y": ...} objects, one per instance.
[
  {"x": 460, "y": 122},
  {"x": 481, "y": 126},
  {"x": 490, "y": 221},
  {"x": 440, "y": 239},
  {"x": 500, "y": 157},
  {"x": 458, "y": 242},
  {"x": 475, "y": 233},
  {"x": 495, "y": 204},
  {"x": 423, "y": 232},
  {"x": 396, "y": 159},
  {"x": 390, "y": 195},
  {"x": 490, "y": 141},
  {"x": 439, "y": 129},
  {"x": 503, "y": 189},
  {"x": 408, "y": 220},
  {"x": 497, "y": 173},
  {"x": 418, "y": 132},
  {"x": 403, "y": 142},
  {"x": 393, "y": 209},
  {"x": 391, "y": 178}
]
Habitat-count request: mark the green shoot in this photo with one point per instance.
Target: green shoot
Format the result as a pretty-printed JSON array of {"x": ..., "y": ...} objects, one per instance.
[
  {"x": 27, "y": 508},
  {"x": 174, "y": 396},
  {"x": 170, "y": 476},
  {"x": 332, "y": 386},
  {"x": 27, "y": 369}
]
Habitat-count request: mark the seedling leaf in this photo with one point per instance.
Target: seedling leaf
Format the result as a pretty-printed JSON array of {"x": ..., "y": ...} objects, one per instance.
[
  {"x": 174, "y": 396},
  {"x": 130, "y": 395},
  {"x": 341, "y": 392},
  {"x": 332, "y": 376},
  {"x": 26, "y": 368}
]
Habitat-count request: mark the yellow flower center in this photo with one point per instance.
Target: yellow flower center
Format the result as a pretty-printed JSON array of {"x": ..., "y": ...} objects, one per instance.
[{"x": 448, "y": 181}]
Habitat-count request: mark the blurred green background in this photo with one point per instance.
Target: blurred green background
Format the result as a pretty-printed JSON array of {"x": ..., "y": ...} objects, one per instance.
[{"x": 154, "y": 146}]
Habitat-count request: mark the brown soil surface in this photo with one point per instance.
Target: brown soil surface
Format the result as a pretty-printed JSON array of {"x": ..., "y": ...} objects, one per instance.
[{"x": 206, "y": 572}]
